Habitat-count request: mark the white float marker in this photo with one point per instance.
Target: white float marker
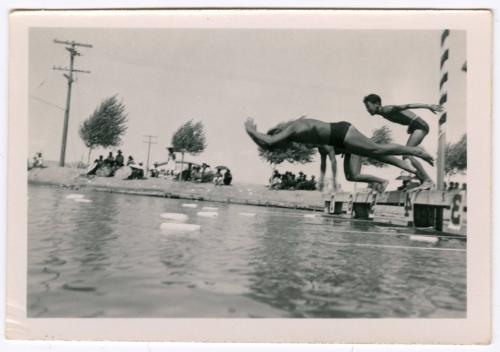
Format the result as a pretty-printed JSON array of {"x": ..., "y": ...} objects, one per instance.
[
  {"x": 189, "y": 205},
  {"x": 247, "y": 214},
  {"x": 208, "y": 214},
  {"x": 82, "y": 200},
  {"x": 174, "y": 216},
  {"x": 74, "y": 196}
]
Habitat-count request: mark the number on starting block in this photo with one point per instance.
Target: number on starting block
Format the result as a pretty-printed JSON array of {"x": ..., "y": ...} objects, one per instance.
[{"x": 456, "y": 212}]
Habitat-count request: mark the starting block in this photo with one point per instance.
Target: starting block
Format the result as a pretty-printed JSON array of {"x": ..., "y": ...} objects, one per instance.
[
  {"x": 442, "y": 210},
  {"x": 353, "y": 205}
]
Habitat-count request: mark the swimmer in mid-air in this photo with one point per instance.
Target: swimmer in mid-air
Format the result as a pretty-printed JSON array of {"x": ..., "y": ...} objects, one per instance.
[
  {"x": 417, "y": 127},
  {"x": 340, "y": 135}
]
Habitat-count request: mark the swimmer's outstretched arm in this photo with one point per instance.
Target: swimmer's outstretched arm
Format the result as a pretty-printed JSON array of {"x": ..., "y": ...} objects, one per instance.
[
  {"x": 394, "y": 108},
  {"x": 265, "y": 140}
]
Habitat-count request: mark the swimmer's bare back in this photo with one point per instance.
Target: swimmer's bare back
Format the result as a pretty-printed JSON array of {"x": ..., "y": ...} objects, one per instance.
[{"x": 310, "y": 131}]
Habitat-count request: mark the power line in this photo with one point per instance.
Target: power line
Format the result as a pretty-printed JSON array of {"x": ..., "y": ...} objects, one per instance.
[
  {"x": 46, "y": 102},
  {"x": 149, "y": 142},
  {"x": 71, "y": 48}
]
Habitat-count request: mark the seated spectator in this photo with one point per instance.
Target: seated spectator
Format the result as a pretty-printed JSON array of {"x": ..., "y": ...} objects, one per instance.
[
  {"x": 275, "y": 180},
  {"x": 228, "y": 177},
  {"x": 196, "y": 174},
  {"x": 100, "y": 162},
  {"x": 464, "y": 186},
  {"x": 38, "y": 160},
  {"x": 119, "y": 159},
  {"x": 130, "y": 160},
  {"x": 137, "y": 172},
  {"x": 218, "y": 179},
  {"x": 155, "y": 171},
  {"x": 110, "y": 160},
  {"x": 93, "y": 168},
  {"x": 312, "y": 183},
  {"x": 404, "y": 185}
]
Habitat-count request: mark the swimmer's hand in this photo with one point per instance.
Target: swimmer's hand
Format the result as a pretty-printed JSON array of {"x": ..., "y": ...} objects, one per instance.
[
  {"x": 250, "y": 125},
  {"x": 435, "y": 108},
  {"x": 257, "y": 137}
]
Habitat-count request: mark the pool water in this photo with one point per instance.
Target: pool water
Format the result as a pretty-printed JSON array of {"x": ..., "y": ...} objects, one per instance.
[{"x": 109, "y": 258}]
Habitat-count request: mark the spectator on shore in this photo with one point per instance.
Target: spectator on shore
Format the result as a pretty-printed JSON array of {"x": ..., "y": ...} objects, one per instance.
[
  {"x": 275, "y": 180},
  {"x": 228, "y": 177},
  {"x": 130, "y": 160},
  {"x": 137, "y": 172},
  {"x": 404, "y": 185},
  {"x": 110, "y": 160},
  {"x": 464, "y": 186},
  {"x": 218, "y": 179},
  {"x": 93, "y": 168},
  {"x": 100, "y": 162},
  {"x": 313, "y": 183},
  {"x": 119, "y": 159},
  {"x": 38, "y": 160},
  {"x": 196, "y": 174},
  {"x": 155, "y": 171}
]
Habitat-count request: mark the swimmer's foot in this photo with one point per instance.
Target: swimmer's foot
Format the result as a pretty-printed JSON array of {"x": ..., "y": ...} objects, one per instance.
[
  {"x": 421, "y": 153},
  {"x": 426, "y": 185}
]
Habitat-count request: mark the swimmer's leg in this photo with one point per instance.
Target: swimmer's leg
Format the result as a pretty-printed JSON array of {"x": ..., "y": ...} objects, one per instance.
[
  {"x": 357, "y": 143},
  {"x": 392, "y": 160},
  {"x": 352, "y": 170},
  {"x": 415, "y": 139}
]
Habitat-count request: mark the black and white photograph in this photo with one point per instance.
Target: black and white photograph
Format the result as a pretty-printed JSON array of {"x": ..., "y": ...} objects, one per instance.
[{"x": 254, "y": 172}]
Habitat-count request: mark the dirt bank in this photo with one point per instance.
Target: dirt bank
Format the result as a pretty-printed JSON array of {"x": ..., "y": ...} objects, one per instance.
[{"x": 238, "y": 193}]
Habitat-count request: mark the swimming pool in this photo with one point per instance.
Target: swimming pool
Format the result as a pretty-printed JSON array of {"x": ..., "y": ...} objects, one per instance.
[{"x": 110, "y": 258}]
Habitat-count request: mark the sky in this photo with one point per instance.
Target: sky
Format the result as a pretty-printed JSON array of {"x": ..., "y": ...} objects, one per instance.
[{"x": 166, "y": 77}]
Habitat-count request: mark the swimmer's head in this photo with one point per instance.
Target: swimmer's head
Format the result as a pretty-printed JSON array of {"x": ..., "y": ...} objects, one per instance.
[{"x": 372, "y": 103}]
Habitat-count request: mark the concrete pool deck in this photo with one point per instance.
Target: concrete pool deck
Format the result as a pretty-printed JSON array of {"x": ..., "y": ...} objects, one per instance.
[{"x": 238, "y": 193}]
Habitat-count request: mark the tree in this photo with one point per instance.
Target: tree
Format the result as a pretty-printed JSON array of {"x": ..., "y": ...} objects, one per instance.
[
  {"x": 189, "y": 138},
  {"x": 291, "y": 152},
  {"x": 456, "y": 156},
  {"x": 381, "y": 135},
  {"x": 105, "y": 126}
]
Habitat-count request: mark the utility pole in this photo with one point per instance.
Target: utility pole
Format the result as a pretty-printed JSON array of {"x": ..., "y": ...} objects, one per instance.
[
  {"x": 71, "y": 48},
  {"x": 149, "y": 142}
]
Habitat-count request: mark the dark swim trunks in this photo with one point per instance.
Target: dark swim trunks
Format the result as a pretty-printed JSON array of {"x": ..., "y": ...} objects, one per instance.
[
  {"x": 338, "y": 130},
  {"x": 418, "y": 124}
]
